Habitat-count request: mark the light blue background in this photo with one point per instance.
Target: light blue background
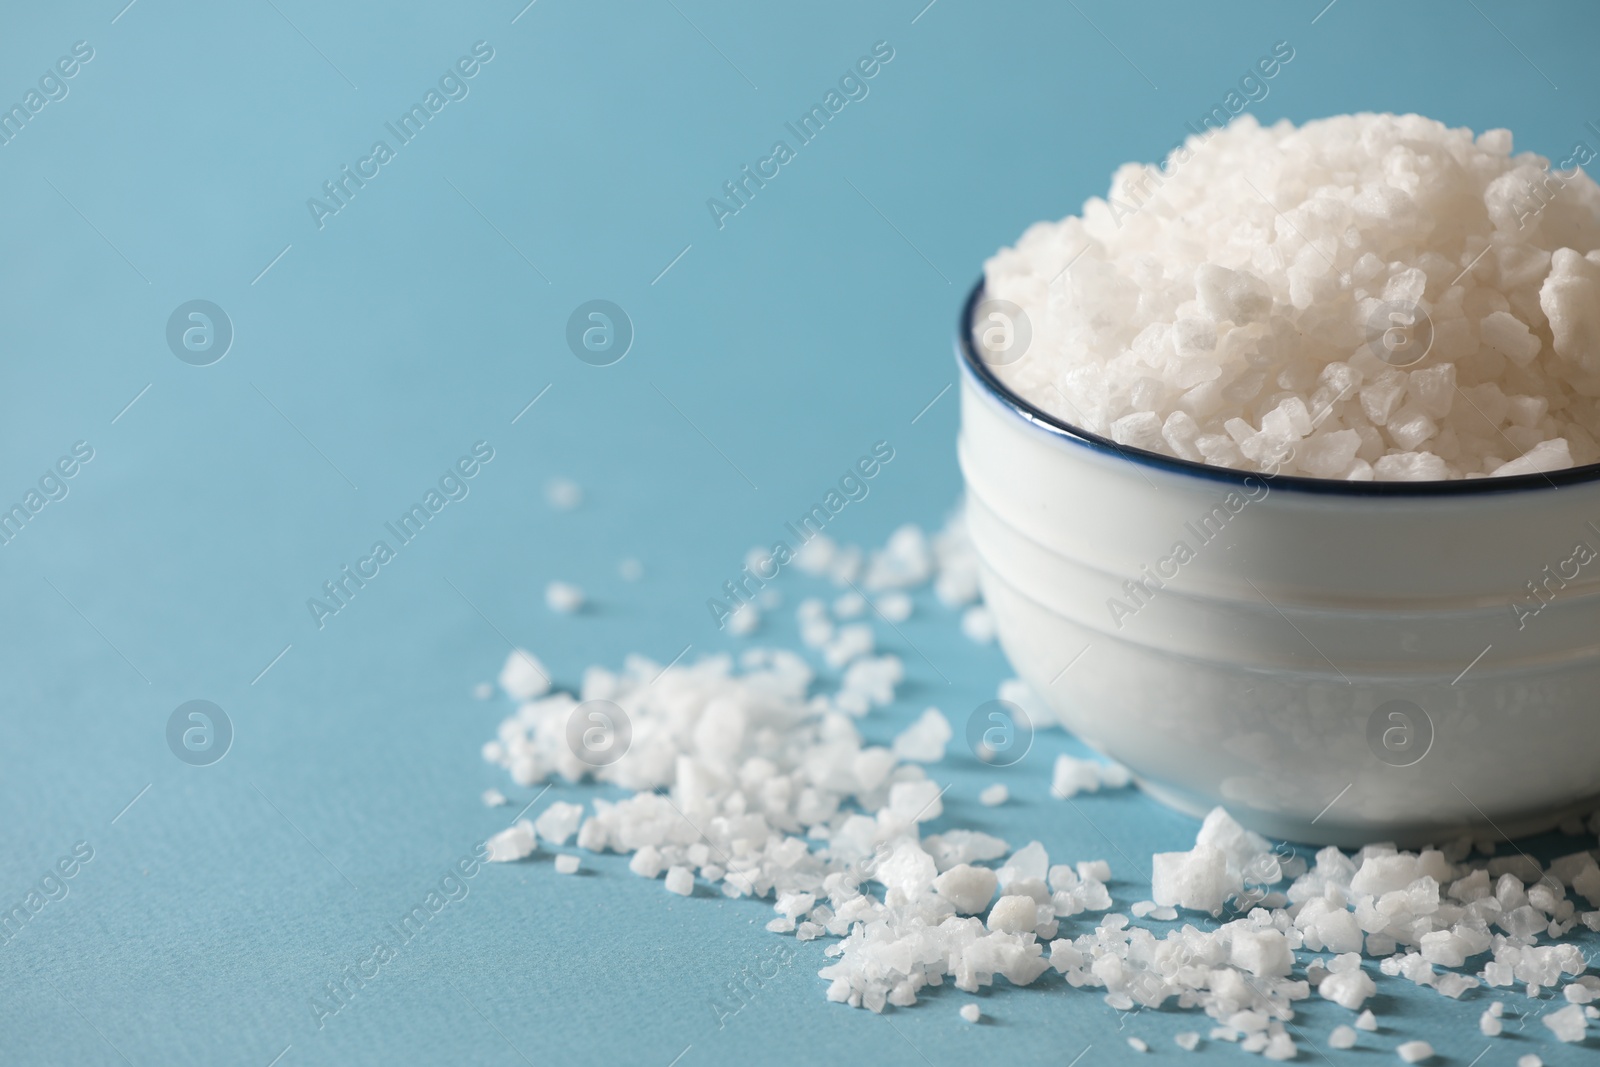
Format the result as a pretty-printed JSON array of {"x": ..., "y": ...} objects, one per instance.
[{"x": 816, "y": 322}]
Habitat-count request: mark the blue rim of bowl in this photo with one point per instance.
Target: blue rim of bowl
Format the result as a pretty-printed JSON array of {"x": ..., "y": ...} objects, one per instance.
[{"x": 984, "y": 374}]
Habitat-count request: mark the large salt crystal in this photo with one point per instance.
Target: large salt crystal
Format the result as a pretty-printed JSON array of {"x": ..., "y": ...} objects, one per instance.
[
  {"x": 955, "y": 847},
  {"x": 1410, "y": 467},
  {"x": 1030, "y": 863},
  {"x": 1568, "y": 1024},
  {"x": 968, "y": 889},
  {"x": 908, "y": 871},
  {"x": 1222, "y": 831},
  {"x": 1414, "y": 1051},
  {"x": 1232, "y": 296},
  {"x": 523, "y": 677},
  {"x": 513, "y": 843},
  {"x": 1570, "y": 300},
  {"x": 558, "y": 822},
  {"x": 1544, "y": 456},
  {"x": 924, "y": 740},
  {"x": 1072, "y": 776},
  {"x": 1326, "y": 455},
  {"x": 915, "y": 801},
  {"x": 680, "y": 880},
  {"x": 1140, "y": 429},
  {"x": 1349, "y": 989},
  {"x": 1197, "y": 879},
  {"x": 1014, "y": 915},
  {"x": 1509, "y": 336},
  {"x": 1264, "y": 953}
]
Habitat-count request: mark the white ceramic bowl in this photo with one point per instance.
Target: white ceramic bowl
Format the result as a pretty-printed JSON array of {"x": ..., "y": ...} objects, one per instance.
[{"x": 1336, "y": 662}]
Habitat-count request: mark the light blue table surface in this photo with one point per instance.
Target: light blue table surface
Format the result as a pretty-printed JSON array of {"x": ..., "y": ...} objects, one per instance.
[{"x": 372, "y": 351}]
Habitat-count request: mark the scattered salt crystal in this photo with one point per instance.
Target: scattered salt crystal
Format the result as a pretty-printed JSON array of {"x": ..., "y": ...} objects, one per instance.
[
  {"x": 1093, "y": 870},
  {"x": 968, "y": 889},
  {"x": 994, "y": 795},
  {"x": 680, "y": 881},
  {"x": 1349, "y": 989},
  {"x": 1014, "y": 915},
  {"x": 1530, "y": 1060},
  {"x": 483, "y": 691},
  {"x": 563, "y": 598},
  {"x": 1248, "y": 1021},
  {"x": 1569, "y": 1024},
  {"x": 971, "y": 1013},
  {"x": 896, "y": 607},
  {"x": 646, "y": 862},
  {"x": 924, "y": 740},
  {"x": 1197, "y": 879},
  {"x": 1453, "y": 985},
  {"x": 1280, "y": 1046},
  {"x": 915, "y": 801},
  {"x": 630, "y": 570},
  {"x": 1415, "y": 1051},
  {"x": 1490, "y": 1025},
  {"x": 849, "y": 605},
  {"x": 1187, "y": 1040},
  {"x": 1138, "y": 1044},
  {"x": 849, "y": 643},
  {"x": 493, "y": 798},
  {"x": 513, "y": 843},
  {"x": 978, "y": 625},
  {"x": 1072, "y": 776},
  {"x": 1342, "y": 1037},
  {"x": 907, "y": 559},
  {"x": 744, "y": 619},
  {"x": 796, "y": 807},
  {"x": 523, "y": 677},
  {"x": 563, "y": 495},
  {"x": 558, "y": 822},
  {"x": 566, "y": 864}
]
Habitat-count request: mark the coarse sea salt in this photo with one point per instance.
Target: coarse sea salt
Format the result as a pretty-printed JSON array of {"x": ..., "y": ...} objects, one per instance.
[
  {"x": 992, "y": 796},
  {"x": 1072, "y": 776},
  {"x": 1414, "y": 1051},
  {"x": 1362, "y": 297},
  {"x": 562, "y": 494},
  {"x": 752, "y": 774},
  {"x": 563, "y": 598}
]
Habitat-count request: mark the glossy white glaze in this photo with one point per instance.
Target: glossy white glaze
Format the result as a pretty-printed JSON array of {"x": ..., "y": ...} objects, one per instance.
[{"x": 1257, "y": 667}]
